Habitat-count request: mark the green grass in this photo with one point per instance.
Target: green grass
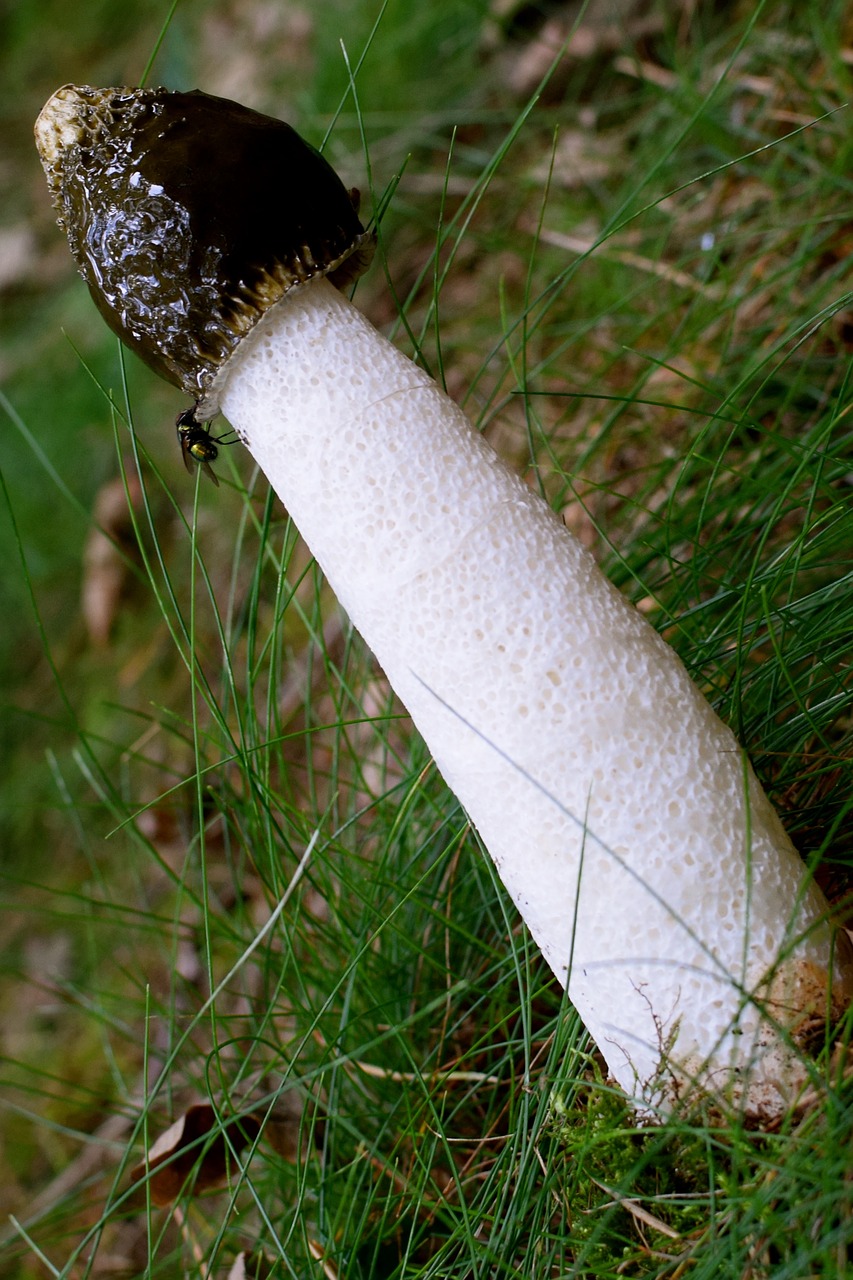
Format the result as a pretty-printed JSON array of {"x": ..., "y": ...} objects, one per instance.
[{"x": 230, "y": 873}]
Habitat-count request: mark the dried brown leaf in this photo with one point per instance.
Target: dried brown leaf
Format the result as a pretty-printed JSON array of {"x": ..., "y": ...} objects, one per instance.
[
  {"x": 251, "y": 1266},
  {"x": 182, "y": 1153},
  {"x": 18, "y": 255},
  {"x": 105, "y": 570},
  {"x": 283, "y": 1127}
]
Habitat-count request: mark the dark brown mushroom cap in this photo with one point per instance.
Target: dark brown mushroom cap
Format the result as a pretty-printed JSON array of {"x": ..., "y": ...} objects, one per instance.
[{"x": 189, "y": 216}]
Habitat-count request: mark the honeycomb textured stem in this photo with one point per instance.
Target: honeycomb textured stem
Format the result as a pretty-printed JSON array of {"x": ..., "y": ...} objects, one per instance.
[{"x": 618, "y": 809}]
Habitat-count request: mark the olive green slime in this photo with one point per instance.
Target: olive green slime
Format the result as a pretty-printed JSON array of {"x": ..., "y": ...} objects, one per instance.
[{"x": 189, "y": 216}]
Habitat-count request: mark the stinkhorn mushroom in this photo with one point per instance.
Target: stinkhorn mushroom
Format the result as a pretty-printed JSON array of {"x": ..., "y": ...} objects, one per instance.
[{"x": 619, "y": 811}]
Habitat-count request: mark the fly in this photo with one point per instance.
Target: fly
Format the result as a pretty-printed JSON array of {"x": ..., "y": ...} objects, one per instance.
[{"x": 197, "y": 444}]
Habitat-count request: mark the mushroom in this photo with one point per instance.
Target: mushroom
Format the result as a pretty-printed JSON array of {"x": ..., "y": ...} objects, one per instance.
[{"x": 619, "y": 810}]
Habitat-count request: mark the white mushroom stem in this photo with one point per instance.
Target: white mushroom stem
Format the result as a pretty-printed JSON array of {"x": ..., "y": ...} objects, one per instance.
[{"x": 619, "y": 810}]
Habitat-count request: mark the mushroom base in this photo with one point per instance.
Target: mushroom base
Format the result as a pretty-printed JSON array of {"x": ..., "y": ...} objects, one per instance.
[{"x": 618, "y": 809}]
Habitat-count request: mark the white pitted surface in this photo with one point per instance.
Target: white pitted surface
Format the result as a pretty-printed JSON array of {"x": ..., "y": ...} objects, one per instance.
[{"x": 568, "y": 729}]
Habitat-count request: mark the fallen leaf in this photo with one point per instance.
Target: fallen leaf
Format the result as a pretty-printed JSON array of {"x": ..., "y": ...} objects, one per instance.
[
  {"x": 181, "y": 1153},
  {"x": 18, "y": 254},
  {"x": 251, "y": 1266},
  {"x": 105, "y": 558},
  {"x": 283, "y": 1128}
]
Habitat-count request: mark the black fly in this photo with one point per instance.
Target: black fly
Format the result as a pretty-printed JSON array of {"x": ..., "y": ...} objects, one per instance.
[{"x": 197, "y": 444}]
